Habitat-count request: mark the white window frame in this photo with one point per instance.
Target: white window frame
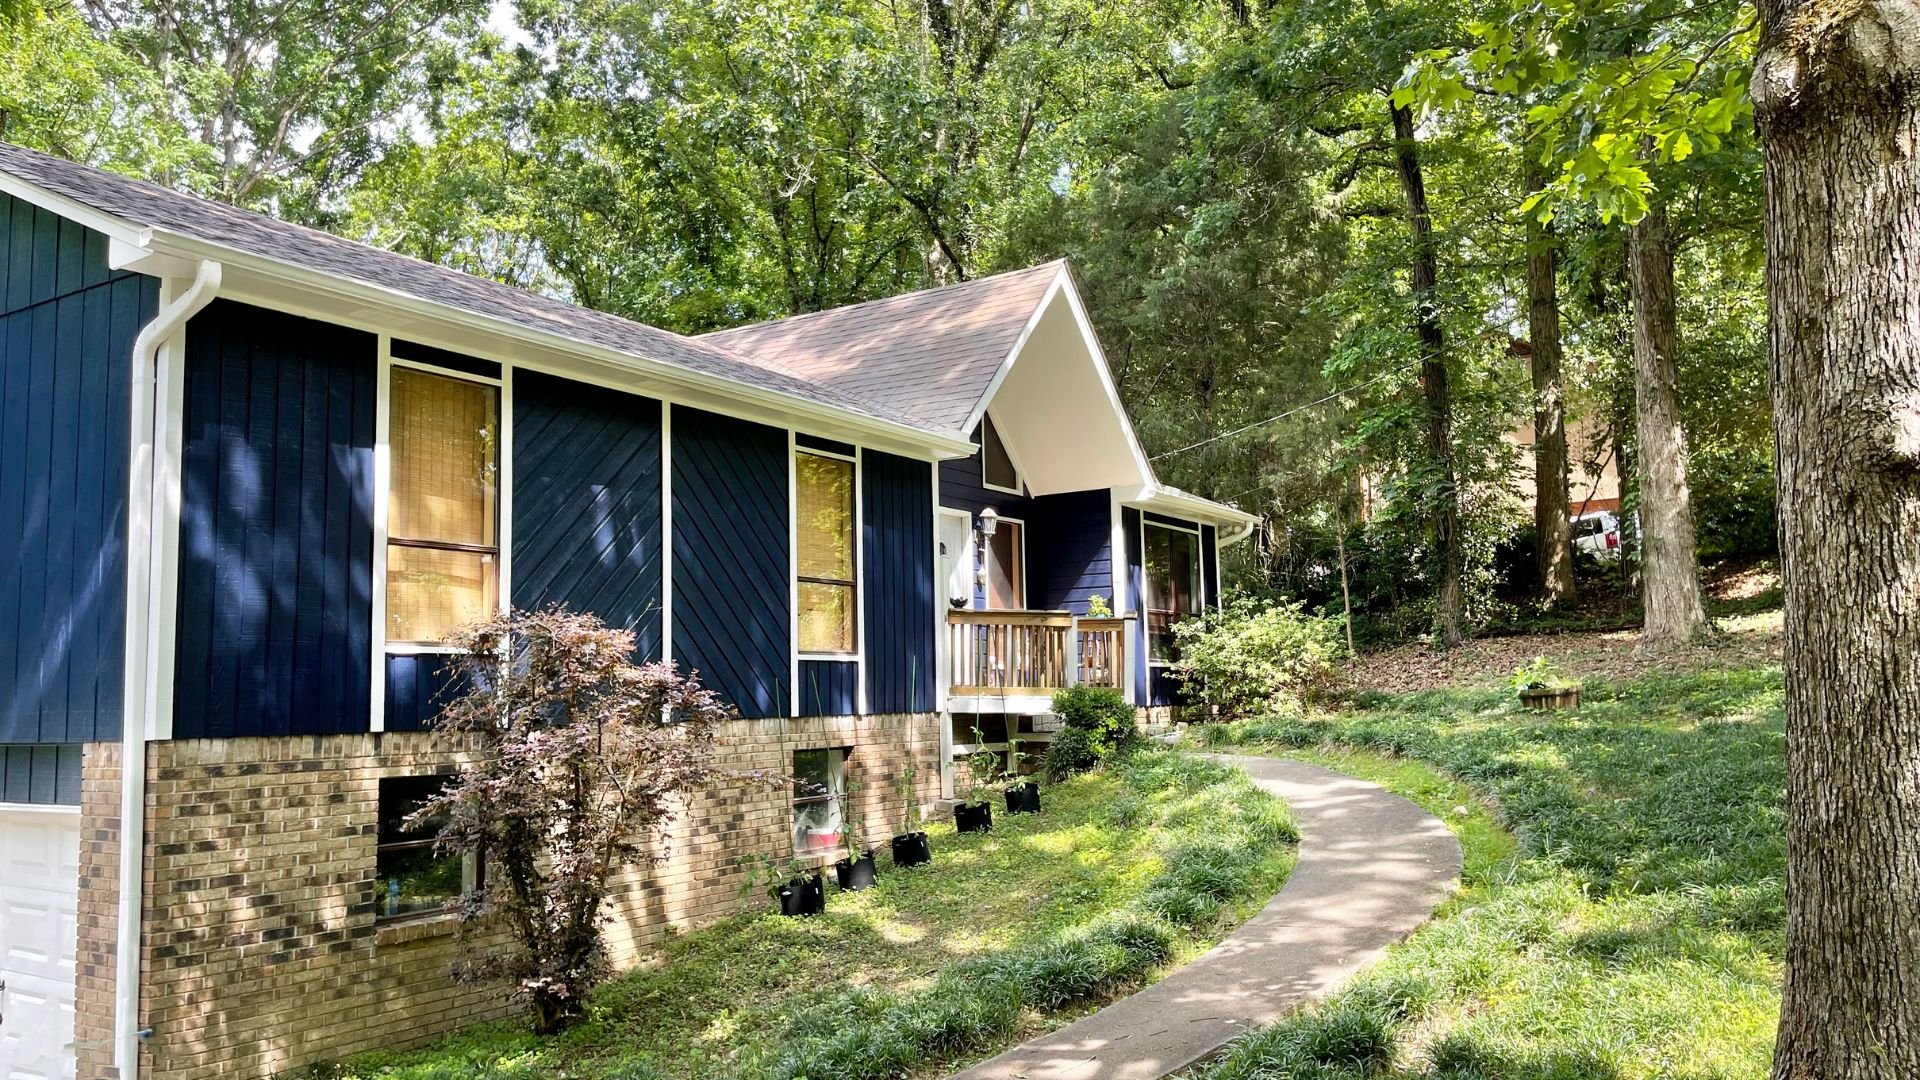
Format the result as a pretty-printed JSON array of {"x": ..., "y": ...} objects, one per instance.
[
  {"x": 382, "y": 490},
  {"x": 1146, "y": 582},
  {"x": 1019, "y": 474},
  {"x": 858, "y": 657}
]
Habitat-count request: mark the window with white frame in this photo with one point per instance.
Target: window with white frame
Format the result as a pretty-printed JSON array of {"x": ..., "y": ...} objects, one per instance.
[
  {"x": 443, "y": 554},
  {"x": 1174, "y": 590},
  {"x": 996, "y": 464},
  {"x": 820, "y": 783},
  {"x": 824, "y": 553}
]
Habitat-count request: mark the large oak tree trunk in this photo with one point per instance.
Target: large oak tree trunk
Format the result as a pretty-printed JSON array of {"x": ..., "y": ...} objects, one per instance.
[
  {"x": 1670, "y": 571},
  {"x": 1552, "y": 529},
  {"x": 1450, "y": 614},
  {"x": 1837, "y": 91}
]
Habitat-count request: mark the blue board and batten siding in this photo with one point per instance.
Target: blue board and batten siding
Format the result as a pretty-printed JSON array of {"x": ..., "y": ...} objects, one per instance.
[
  {"x": 276, "y": 534},
  {"x": 67, "y": 327},
  {"x": 1070, "y": 550},
  {"x": 587, "y": 513},
  {"x": 898, "y": 582},
  {"x": 732, "y": 604},
  {"x": 40, "y": 774},
  {"x": 829, "y": 688}
]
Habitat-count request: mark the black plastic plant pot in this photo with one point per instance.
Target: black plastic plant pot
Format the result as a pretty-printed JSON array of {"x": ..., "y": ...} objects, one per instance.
[
  {"x": 804, "y": 896},
  {"x": 855, "y": 874},
  {"x": 974, "y": 817},
  {"x": 912, "y": 849},
  {"x": 1024, "y": 798}
]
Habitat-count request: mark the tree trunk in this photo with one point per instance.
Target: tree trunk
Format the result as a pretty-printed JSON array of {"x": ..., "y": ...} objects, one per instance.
[
  {"x": 1669, "y": 568},
  {"x": 1837, "y": 93},
  {"x": 1450, "y": 608},
  {"x": 1552, "y": 530}
]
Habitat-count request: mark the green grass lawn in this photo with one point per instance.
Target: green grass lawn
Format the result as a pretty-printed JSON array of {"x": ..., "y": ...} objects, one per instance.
[
  {"x": 1128, "y": 872},
  {"x": 1623, "y": 904}
]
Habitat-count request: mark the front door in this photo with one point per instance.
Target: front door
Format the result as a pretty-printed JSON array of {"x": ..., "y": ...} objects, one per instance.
[
  {"x": 39, "y": 894},
  {"x": 1007, "y": 567}
]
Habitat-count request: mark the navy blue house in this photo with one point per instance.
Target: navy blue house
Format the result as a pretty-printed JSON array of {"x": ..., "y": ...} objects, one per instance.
[{"x": 252, "y": 476}]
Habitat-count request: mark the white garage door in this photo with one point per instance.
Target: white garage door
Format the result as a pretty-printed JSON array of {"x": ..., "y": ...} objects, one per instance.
[{"x": 39, "y": 887}]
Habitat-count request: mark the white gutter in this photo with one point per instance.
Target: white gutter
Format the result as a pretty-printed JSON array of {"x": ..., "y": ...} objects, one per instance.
[
  {"x": 854, "y": 421},
  {"x": 144, "y": 501}
]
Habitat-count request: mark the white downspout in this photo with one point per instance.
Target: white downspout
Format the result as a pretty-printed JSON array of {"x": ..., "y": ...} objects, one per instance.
[{"x": 145, "y": 502}]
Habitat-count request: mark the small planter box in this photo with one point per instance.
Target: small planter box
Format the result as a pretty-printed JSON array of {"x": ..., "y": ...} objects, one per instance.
[
  {"x": 1547, "y": 698},
  {"x": 912, "y": 849},
  {"x": 852, "y": 875},
  {"x": 804, "y": 896},
  {"x": 973, "y": 817},
  {"x": 1024, "y": 798}
]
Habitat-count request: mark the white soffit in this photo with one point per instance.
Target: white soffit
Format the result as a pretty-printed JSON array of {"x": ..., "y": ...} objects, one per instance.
[{"x": 1056, "y": 410}]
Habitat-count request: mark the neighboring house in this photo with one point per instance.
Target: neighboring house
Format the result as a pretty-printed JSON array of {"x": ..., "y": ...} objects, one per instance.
[{"x": 251, "y": 474}]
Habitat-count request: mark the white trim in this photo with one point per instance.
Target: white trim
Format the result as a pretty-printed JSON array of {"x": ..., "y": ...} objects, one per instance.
[
  {"x": 793, "y": 576},
  {"x": 503, "y": 495},
  {"x": 666, "y": 532},
  {"x": 1019, "y": 487},
  {"x": 1219, "y": 591},
  {"x": 170, "y": 402},
  {"x": 356, "y": 293},
  {"x": 419, "y": 648},
  {"x": 943, "y": 603},
  {"x": 382, "y": 485},
  {"x": 1117, "y": 560},
  {"x": 939, "y": 658},
  {"x": 859, "y": 582},
  {"x": 61, "y": 809},
  {"x": 114, "y": 228},
  {"x": 1019, "y": 343}
]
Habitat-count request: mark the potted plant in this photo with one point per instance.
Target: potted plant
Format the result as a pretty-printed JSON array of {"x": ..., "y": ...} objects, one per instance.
[
  {"x": 856, "y": 871},
  {"x": 789, "y": 883},
  {"x": 910, "y": 847},
  {"x": 1542, "y": 686},
  {"x": 975, "y": 812},
  {"x": 1023, "y": 797}
]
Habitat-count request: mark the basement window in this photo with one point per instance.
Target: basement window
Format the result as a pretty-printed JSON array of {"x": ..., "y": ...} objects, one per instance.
[
  {"x": 820, "y": 783},
  {"x": 413, "y": 877}
]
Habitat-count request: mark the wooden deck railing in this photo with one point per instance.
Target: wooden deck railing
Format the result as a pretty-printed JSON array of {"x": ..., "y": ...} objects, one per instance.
[{"x": 1033, "y": 652}]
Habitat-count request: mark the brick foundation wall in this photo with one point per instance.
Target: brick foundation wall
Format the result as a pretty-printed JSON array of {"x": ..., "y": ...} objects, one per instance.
[
  {"x": 98, "y": 921},
  {"x": 261, "y": 949}
]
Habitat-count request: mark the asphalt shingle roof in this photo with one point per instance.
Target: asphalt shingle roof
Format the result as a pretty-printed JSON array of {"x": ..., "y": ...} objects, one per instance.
[
  {"x": 141, "y": 204},
  {"x": 930, "y": 354}
]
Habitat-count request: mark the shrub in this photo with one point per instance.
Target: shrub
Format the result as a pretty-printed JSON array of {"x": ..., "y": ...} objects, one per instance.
[
  {"x": 1072, "y": 751},
  {"x": 1248, "y": 658},
  {"x": 1100, "y": 711},
  {"x": 581, "y": 758}
]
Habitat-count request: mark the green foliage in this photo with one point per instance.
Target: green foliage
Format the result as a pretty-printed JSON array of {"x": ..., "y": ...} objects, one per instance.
[
  {"x": 1539, "y": 674},
  {"x": 759, "y": 996},
  {"x": 1249, "y": 657},
  {"x": 1631, "y": 924},
  {"x": 1073, "y": 750}
]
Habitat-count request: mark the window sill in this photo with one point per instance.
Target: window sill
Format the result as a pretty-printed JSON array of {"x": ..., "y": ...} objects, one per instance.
[{"x": 416, "y": 928}]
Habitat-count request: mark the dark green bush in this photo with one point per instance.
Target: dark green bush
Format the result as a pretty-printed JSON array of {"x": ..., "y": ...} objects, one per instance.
[
  {"x": 1071, "y": 752},
  {"x": 1100, "y": 711}
]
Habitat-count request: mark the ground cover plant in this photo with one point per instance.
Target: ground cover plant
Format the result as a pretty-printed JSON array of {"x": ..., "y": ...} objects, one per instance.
[
  {"x": 1133, "y": 869},
  {"x": 1622, "y": 911}
]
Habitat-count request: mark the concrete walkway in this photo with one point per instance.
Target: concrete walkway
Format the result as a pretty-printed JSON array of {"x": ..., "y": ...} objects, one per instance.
[{"x": 1372, "y": 867}]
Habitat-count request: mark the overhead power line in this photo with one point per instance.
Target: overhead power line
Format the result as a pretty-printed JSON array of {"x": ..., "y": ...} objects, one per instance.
[{"x": 1277, "y": 419}]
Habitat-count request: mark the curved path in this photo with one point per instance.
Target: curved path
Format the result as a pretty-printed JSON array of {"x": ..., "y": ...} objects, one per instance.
[{"x": 1372, "y": 867}]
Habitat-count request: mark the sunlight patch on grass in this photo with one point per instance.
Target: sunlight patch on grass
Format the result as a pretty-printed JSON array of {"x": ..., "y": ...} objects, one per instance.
[{"x": 1622, "y": 912}]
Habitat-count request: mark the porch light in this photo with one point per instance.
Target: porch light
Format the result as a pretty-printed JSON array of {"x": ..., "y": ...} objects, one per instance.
[{"x": 989, "y": 523}]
